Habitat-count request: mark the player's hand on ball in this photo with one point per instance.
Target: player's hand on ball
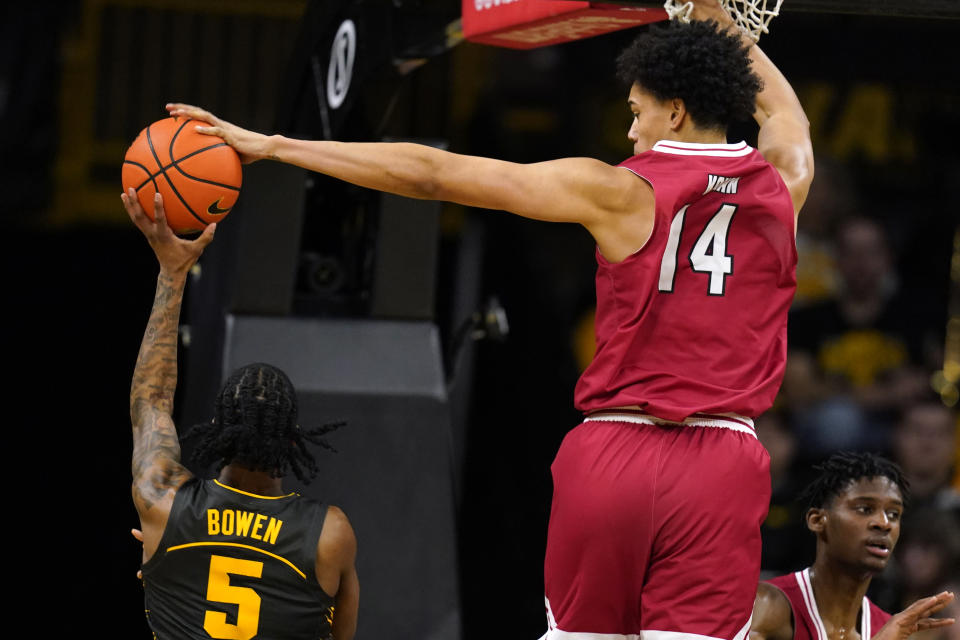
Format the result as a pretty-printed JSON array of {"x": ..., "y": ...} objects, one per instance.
[
  {"x": 175, "y": 254},
  {"x": 249, "y": 145},
  {"x": 916, "y": 617}
]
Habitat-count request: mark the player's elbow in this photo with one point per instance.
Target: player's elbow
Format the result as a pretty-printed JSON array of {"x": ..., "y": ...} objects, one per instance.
[
  {"x": 428, "y": 188},
  {"x": 417, "y": 172}
]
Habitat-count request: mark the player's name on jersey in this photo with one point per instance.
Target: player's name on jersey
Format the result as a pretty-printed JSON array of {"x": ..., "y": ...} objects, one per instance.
[
  {"x": 723, "y": 184},
  {"x": 234, "y": 522}
]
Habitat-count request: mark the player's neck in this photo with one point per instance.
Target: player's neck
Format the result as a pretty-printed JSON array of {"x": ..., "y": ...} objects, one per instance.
[
  {"x": 699, "y": 136},
  {"x": 258, "y": 482},
  {"x": 839, "y": 595}
]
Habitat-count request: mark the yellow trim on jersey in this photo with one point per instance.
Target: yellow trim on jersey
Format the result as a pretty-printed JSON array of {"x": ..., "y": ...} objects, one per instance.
[
  {"x": 242, "y": 546},
  {"x": 253, "y": 495}
]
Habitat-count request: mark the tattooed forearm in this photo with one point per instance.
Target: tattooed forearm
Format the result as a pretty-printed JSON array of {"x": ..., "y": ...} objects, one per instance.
[
  {"x": 156, "y": 450},
  {"x": 155, "y": 376}
]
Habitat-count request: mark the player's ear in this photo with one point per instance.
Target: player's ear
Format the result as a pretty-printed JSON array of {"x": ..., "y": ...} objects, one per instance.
[
  {"x": 678, "y": 113},
  {"x": 816, "y": 519}
]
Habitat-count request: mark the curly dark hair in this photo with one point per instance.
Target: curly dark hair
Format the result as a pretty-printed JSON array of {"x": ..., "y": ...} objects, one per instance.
[
  {"x": 255, "y": 425},
  {"x": 842, "y": 469},
  {"x": 707, "y": 68}
]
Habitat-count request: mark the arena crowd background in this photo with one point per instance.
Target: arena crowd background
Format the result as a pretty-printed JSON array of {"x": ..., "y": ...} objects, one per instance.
[{"x": 79, "y": 79}]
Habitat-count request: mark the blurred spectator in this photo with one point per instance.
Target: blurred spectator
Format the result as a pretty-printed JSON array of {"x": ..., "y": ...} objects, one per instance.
[
  {"x": 786, "y": 542},
  {"x": 928, "y": 555},
  {"x": 832, "y": 198},
  {"x": 856, "y": 359},
  {"x": 924, "y": 444},
  {"x": 952, "y": 611}
]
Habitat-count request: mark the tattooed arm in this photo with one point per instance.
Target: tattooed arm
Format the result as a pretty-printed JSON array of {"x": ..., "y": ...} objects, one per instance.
[{"x": 157, "y": 472}]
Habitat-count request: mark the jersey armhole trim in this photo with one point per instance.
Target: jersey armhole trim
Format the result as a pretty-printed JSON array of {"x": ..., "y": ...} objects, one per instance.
[
  {"x": 653, "y": 229},
  {"x": 312, "y": 544},
  {"x": 176, "y": 506}
]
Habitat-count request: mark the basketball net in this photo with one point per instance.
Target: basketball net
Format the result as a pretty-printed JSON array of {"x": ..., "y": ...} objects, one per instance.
[{"x": 751, "y": 16}]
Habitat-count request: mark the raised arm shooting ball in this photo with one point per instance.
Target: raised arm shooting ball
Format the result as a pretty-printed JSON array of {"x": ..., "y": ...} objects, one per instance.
[{"x": 199, "y": 176}]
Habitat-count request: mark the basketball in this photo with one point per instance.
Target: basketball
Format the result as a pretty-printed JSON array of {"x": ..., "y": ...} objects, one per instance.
[{"x": 198, "y": 175}]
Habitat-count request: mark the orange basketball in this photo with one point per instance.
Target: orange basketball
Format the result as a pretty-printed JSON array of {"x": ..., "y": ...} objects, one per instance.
[{"x": 198, "y": 175}]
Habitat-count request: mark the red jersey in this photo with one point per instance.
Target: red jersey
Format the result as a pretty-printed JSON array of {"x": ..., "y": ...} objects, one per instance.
[
  {"x": 807, "y": 623},
  {"x": 695, "y": 322}
]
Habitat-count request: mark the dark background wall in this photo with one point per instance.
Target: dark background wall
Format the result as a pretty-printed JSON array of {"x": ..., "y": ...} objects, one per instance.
[{"x": 883, "y": 102}]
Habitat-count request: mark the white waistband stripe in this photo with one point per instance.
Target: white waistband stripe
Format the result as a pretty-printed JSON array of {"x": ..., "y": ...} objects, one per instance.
[
  {"x": 557, "y": 634},
  {"x": 727, "y": 421},
  {"x": 675, "y": 635}
]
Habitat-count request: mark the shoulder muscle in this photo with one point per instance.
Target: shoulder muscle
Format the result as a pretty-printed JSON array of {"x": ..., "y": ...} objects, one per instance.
[
  {"x": 336, "y": 549},
  {"x": 772, "y": 615}
]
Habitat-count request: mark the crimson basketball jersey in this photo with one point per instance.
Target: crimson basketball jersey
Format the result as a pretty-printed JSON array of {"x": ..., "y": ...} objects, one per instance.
[
  {"x": 807, "y": 623},
  {"x": 695, "y": 322}
]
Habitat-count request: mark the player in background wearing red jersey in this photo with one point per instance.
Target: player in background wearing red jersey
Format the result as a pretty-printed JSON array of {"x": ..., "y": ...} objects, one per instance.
[
  {"x": 660, "y": 493},
  {"x": 856, "y": 504}
]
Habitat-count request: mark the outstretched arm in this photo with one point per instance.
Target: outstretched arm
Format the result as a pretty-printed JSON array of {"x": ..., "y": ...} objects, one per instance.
[
  {"x": 784, "y": 138},
  {"x": 581, "y": 190},
  {"x": 157, "y": 472}
]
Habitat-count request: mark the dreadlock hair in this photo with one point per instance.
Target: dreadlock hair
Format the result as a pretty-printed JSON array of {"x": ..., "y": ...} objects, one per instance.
[
  {"x": 255, "y": 425},
  {"x": 842, "y": 469},
  {"x": 696, "y": 62}
]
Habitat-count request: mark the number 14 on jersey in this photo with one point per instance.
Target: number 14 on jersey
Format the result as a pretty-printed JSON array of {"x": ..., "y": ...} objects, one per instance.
[{"x": 708, "y": 255}]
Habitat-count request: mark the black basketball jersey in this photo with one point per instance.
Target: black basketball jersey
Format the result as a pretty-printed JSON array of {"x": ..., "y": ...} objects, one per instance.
[{"x": 238, "y": 566}]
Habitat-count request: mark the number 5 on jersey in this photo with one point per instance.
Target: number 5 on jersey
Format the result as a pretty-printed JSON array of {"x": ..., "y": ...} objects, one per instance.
[
  {"x": 219, "y": 589},
  {"x": 709, "y": 253}
]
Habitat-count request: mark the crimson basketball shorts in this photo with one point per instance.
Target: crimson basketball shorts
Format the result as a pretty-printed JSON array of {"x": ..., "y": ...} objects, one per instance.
[{"x": 655, "y": 529}]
